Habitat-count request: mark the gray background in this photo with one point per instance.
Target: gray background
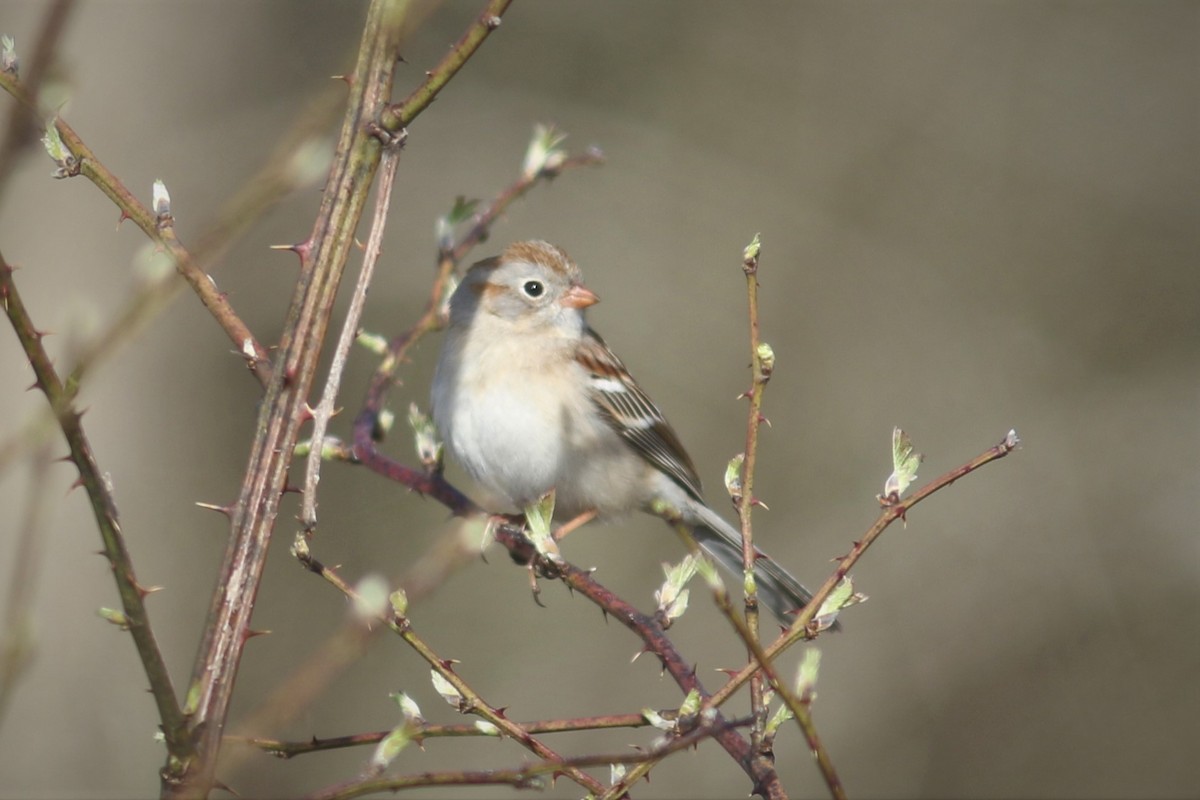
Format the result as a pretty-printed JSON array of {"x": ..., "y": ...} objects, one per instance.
[{"x": 975, "y": 217}]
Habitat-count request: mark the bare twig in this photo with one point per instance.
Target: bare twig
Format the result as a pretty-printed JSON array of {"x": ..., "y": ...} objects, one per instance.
[
  {"x": 401, "y": 116},
  {"x": 284, "y": 749},
  {"x": 763, "y": 365},
  {"x": 760, "y": 374},
  {"x": 333, "y": 381}
]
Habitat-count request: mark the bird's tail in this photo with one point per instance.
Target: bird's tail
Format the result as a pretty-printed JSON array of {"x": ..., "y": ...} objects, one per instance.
[{"x": 777, "y": 589}]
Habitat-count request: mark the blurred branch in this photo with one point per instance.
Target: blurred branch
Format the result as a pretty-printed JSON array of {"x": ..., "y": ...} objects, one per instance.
[
  {"x": 333, "y": 380},
  {"x": 104, "y": 508},
  {"x": 22, "y": 131},
  {"x": 84, "y": 162},
  {"x": 17, "y": 637},
  {"x": 762, "y": 366}
]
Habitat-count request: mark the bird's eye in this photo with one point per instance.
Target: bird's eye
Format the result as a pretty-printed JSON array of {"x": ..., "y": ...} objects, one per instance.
[{"x": 533, "y": 289}]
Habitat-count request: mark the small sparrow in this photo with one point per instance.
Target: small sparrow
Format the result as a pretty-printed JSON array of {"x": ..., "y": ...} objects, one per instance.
[{"x": 528, "y": 398}]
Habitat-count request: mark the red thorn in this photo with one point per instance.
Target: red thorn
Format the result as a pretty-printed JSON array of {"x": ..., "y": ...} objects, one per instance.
[
  {"x": 122, "y": 218},
  {"x": 75, "y": 484},
  {"x": 37, "y": 384},
  {"x": 302, "y": 249},
  {"x": 728, "y": 671},
  {"x": 251, "y": 633},
  {"x": 292, "y": 488}
]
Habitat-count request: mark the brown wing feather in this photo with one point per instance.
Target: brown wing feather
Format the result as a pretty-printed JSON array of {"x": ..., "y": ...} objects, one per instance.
[{"x": 633, "y": 415}]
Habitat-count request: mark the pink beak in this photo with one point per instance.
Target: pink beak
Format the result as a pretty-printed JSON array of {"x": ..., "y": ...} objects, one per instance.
[{"x": 579, "y": 296}]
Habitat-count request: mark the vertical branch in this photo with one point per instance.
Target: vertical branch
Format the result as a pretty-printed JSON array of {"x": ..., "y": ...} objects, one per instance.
[
  {"x": 323, "y": 259},
  {"x": 333, "y": 381},
  {"x": 761, "y": 367}
]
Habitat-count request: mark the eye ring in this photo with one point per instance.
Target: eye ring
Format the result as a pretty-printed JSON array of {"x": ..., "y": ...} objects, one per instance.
[{"x": 533, "y": 289}]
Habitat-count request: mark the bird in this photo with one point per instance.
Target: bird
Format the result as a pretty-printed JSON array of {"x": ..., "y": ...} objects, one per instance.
[{"x": 527, "y": 398}]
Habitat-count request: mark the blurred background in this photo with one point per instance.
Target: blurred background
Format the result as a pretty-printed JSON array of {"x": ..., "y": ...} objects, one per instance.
[{"x": 975, "y": 217}]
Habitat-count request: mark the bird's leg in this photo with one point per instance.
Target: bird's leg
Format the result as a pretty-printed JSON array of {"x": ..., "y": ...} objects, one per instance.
[{"x": 578, "y": 521}]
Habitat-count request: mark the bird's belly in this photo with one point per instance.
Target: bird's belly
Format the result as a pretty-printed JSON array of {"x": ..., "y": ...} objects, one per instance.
[{"x": 519, "y": 442}]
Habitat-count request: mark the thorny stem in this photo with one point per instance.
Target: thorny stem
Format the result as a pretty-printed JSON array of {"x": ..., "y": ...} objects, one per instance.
[
  {"x": 323, "y": 259},
  {"x": 17, "y": 638},
  {"x": 762, "y": 361},
  {"x": 282, "y": 409},
  {"x": 104, "y": 509}
]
